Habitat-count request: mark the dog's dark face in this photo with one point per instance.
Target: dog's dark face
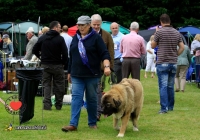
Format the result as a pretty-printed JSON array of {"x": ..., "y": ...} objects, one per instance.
[{"x": 109, "y": 105}]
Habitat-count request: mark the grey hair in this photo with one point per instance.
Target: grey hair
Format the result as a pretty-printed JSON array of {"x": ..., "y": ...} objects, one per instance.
[
  {"x": 96, "y": 17},
  {"x": 134, "y": 25}
]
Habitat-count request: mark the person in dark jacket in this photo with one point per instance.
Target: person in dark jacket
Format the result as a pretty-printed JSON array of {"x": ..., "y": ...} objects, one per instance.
[
  {"x": 96, "y": 22},
  {"x": 54, "y": 55},
  {"x": 87, "y": 51}
]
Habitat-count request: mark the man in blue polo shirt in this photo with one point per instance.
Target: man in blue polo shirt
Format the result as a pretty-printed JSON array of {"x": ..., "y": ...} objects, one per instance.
[{"x": 117, "y": 36}]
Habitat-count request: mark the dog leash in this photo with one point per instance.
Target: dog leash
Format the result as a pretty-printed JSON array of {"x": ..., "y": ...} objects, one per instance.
[{"x": 111, "y": 80}]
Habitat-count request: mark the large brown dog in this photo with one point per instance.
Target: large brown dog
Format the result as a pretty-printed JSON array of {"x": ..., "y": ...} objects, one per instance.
[{"x": 124, "y": 101}]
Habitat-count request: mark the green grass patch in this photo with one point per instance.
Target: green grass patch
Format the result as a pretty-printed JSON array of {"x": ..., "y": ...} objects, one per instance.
[{"x": 181, "y": 124}]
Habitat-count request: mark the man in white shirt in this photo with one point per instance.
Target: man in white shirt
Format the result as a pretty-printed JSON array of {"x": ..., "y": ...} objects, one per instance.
[
  {"x": 67, "y": 38},
  {"x": 117, "y": 36}
]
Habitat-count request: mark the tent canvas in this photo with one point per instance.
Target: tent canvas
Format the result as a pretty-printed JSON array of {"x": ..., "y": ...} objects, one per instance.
[
  {"x": 72, "y": 30},
  {"x": 189, "y": 33},
  {"x": 5, "y": 25},
  {"x": 23, "y": 27},
  {"x": 189, "y": 30},
  {"x": 106, "y": 26},
  {"x": 19, "y": 35},
  {"x": 146, "y": 34}
]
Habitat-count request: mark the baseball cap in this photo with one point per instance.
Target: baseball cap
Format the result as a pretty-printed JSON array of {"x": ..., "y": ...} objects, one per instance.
[
  {"x": 5, "y": 36},
  {"x": 83, "y": 20}
]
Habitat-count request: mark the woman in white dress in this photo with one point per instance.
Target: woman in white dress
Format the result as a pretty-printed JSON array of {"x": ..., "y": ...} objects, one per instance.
[{"x": 150, "y": 67}]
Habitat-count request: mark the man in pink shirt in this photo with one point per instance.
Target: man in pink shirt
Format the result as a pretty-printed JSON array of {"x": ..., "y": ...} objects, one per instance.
[{"x": 132, "y": 47}]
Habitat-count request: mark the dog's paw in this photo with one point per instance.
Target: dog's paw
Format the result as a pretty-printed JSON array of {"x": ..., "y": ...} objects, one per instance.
[
  {"x": 120, "y": 135},
  {"x": 135, "y": 129}
]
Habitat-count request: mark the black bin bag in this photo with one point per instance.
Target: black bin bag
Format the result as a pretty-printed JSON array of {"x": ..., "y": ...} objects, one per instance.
[{"x": 29, "y": 79}]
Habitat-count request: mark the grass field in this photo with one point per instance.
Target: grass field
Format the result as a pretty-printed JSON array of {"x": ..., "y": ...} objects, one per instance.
[{"x": 181, "y": 124}]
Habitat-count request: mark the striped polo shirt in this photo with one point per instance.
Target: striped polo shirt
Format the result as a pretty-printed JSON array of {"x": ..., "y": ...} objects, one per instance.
[{"x": 167, "y": 38}]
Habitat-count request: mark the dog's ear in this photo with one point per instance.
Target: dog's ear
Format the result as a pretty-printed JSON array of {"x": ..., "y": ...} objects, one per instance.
[{"x": 117, "y": 103}]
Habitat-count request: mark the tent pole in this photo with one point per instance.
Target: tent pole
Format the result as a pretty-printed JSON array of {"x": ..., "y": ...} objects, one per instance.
[
  {"x": 189, "y": 42},
  {"x": 19, "y": 41},
  {"x": 38, "y": 25},
  {"x": 12, "y": 37}
]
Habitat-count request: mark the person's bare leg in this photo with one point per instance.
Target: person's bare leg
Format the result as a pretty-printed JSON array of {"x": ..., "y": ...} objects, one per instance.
[
  {"x": 145, "y": 74},
  {"x": 152, "y": 74}
]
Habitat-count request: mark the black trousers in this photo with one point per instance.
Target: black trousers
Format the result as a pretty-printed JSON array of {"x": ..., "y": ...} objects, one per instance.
[
  {"x": 55, "y": 73},
  {"x": 118, "y": 69}
]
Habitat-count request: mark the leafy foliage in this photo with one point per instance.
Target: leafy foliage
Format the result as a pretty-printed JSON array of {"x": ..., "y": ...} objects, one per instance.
[{"x": 145, "y": 12}]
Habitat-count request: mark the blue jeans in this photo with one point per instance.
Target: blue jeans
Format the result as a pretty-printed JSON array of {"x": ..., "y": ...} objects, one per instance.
[
  {"x": 79, "y": 86},
  {"x": 166, "y": 74}
]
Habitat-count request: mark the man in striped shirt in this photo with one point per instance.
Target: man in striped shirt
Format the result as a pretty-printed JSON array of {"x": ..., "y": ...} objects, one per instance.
[{"x": 167, "y": 38}]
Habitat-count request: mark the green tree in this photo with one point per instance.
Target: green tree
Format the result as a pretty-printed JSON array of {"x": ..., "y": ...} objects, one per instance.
[{"x": 146, "y": 13}]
